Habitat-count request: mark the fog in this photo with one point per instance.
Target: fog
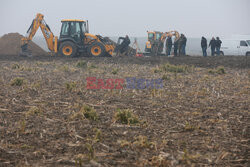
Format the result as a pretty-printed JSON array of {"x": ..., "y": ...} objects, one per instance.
[{"x": 195, "y": 18}]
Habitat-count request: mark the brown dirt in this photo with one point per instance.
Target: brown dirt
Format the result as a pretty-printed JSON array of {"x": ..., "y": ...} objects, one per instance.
[
  {"x": 199, "y": 118},
  {"x": 10, "y": 44}
]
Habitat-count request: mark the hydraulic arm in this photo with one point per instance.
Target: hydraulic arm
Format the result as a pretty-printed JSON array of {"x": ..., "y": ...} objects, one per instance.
[
  {"x": 170, "y": 33},
  {"x": 51, "y": 40}
]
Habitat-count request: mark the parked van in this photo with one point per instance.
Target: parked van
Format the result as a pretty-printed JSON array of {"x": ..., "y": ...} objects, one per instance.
[{"x": 235, "y": 47}]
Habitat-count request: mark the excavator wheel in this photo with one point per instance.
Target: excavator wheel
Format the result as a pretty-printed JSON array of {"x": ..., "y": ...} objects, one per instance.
[
  {"x": 68, "y": 49},
  {"x": 96, "y": 50}
]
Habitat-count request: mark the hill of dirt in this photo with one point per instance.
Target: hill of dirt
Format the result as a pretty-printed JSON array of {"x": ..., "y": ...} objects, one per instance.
[{"x": 10, "y": 45}]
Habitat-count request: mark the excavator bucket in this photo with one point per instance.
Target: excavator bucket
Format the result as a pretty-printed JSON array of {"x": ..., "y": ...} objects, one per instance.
[
  {"x": 121, "y": 50},
  {"x": 24, "y": 51}
]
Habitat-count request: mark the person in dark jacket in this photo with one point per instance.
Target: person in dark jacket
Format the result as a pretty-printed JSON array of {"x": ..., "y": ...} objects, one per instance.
[
  {"x": 179, "y": 46},
  {"x": 169, "y": 44},
  {"x": 182, "y": 45},
  {"x": 204, "y": 46},
  {"x": 124, "y": 45},
  {"x": 218, "y": 45},
  {"x": 212, "y": 43},
  {"x": 176, "y": 46}
]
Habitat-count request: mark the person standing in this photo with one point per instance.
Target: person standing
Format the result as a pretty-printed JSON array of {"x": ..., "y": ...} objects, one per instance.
[
  {"x": 218, "y": 45},
  {"x": 212, "y": 43},
  {"x": 176, "y": 45},
  {"x": 180, "y": 45},
  {"x": 169, "y": 44},
  {"x": 123, "y": 48},
  {"x": 184, "y": 43},
  {"x": 204, "y": 46}
]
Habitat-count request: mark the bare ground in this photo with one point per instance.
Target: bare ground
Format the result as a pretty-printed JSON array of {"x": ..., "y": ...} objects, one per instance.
[{"x": 199, "y": 118}]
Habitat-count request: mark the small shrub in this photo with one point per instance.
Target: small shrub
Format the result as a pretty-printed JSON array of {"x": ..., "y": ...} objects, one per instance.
[
  {"x": 64, "y": 68},
  {"x": 90, "y": 66},
  {"x": 175, "y": 68},
  {"x": 143, "y": 142},
  {"x": 219, "y": 70},
  {"x": 115, "y": 71},
  {"x": 211, "y": 71},
  {"x": 17, "y": 82},
  {"x": 86, "y": 112},
  {"x": 160, "y": 160},
  {"x": 22, "y": 126},
  {"x": 126, "y": 117},
  {"x": 124, "y": 143},
  {"x": 33, "y": 111},
  {"x": 79, "y": 159},
  {"x": 26, "y": 147},
  {"x": 189, "y": 127},
  {"x": 165, "y": 77},
  {"x": 81, "y": 64},
  {"x": 157, "y": 70},
  {"x": 188, "y": 158},
  {"x": 36, "y": 85},
  {"x": 70, "y": 86},
  {"x": 89, "y": 113},
  {"x": 91, "y": 150},
  {"x": 98, "y": 135},
  {"x": 15, "y": 66}
]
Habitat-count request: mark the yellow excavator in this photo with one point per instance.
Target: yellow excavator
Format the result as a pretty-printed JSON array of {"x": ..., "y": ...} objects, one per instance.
[
  {"x": 156, "y": 40},
  {"x": 74, "y": 39}
]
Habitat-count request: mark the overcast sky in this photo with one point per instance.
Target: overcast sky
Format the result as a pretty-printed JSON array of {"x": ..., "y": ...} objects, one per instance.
[{"x": 194, "y": 18}]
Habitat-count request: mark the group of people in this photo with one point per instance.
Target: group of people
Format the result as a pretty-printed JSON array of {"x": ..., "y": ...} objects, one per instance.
[
  {"x": 179, "y": 46},
  {"x": 215, "y": 45}
]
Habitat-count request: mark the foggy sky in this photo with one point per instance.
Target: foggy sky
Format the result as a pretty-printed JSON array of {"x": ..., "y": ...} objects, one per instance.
[{"x": 195, "y": 18}]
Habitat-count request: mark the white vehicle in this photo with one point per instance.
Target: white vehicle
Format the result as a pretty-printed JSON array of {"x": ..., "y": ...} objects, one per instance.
[{"x": 235, "y": 47}]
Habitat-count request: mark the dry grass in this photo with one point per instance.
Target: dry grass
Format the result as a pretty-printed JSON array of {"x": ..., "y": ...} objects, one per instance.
[
  {"x": 17, "y": 81},
  {"x": 198, "y": 118},
  {"x": 126, "y": 117},
  {"x": 86, "y": 112}
]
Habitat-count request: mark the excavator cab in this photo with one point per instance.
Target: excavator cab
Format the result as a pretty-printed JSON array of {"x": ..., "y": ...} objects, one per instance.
[
  {"x": 154, "y": 41},
  {"x": 72, "y": 36},
  {"x": 74, "y": 29},
  {"x": 151, "y": 36},
  {"x": 158, "y": 35}
]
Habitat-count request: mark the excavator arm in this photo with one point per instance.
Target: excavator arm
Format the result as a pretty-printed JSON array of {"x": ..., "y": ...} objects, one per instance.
[
  {"x": 51, "y": 40},
  {"x": 171, "y": 33}
]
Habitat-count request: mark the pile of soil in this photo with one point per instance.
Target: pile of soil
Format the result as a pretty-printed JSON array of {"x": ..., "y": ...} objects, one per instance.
[{"x": 10, "y": 45}]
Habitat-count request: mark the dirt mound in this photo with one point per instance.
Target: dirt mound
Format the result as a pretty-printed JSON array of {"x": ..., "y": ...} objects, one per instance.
[{"x": 10, "y": 45}]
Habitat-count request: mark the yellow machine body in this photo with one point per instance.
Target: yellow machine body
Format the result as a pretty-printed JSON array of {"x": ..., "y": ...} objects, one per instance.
[{"x": 99, "y": 46}]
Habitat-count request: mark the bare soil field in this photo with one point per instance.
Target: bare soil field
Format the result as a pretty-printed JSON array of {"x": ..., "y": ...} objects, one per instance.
[{"x": 200, "y": 117}]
